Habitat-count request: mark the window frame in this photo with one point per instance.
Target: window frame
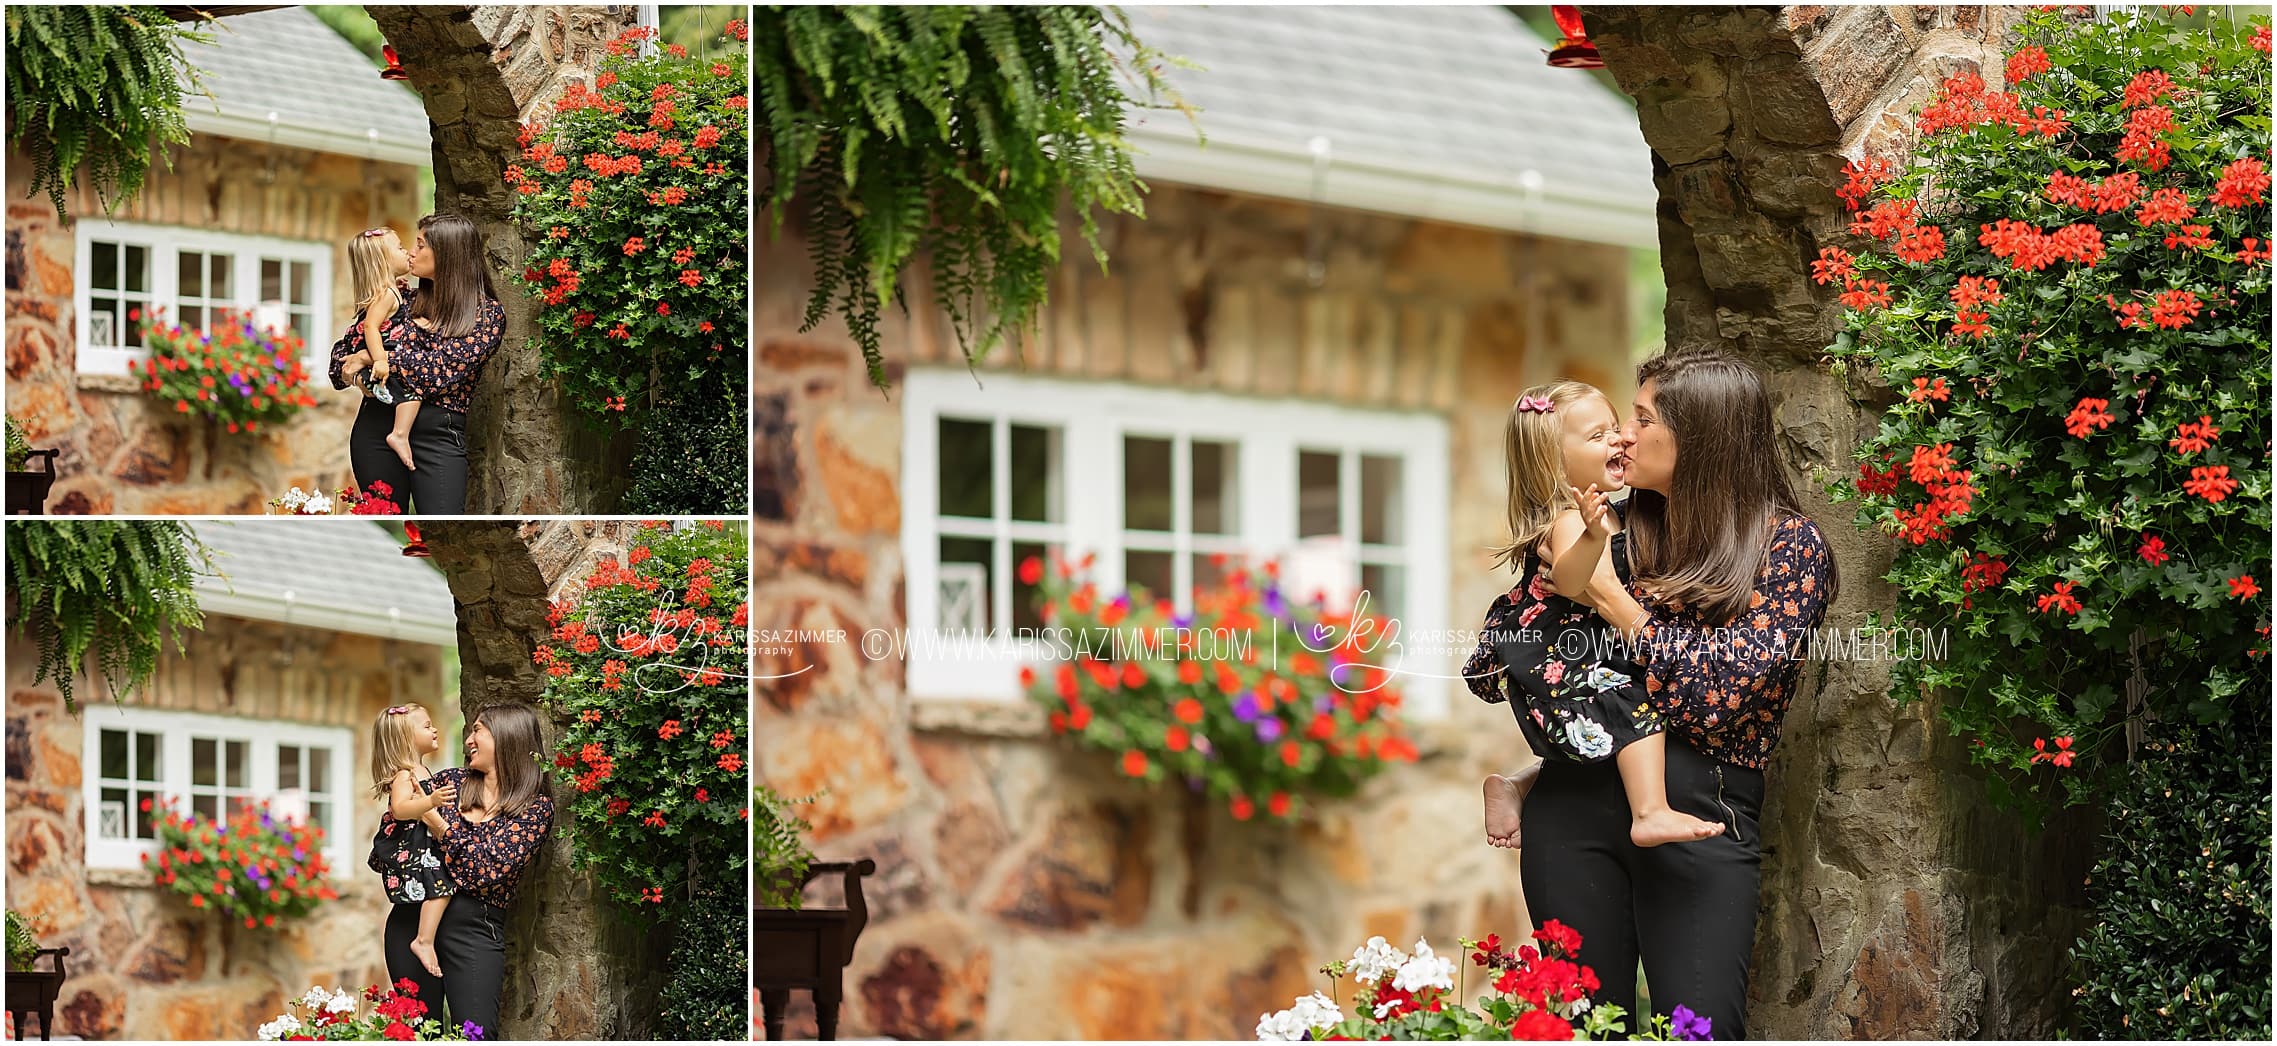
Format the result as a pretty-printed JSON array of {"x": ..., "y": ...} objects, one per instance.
[
  {"x": 1093, "y": 417},
  {"x": 165, "y": 243},
  {"x": 175, "y": 731}
]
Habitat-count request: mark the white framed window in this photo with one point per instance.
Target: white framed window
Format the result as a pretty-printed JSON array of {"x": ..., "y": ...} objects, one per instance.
[
  {"x": 1155, "y": 483},
  {"x": 129, "y": 268},
  {"x": 210, "y": 765}
]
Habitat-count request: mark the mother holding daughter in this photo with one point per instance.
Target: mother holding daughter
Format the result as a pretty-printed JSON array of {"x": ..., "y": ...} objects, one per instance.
[
  {"x": 1727, "y": 578},
  {"x": 415, "y": 355}
]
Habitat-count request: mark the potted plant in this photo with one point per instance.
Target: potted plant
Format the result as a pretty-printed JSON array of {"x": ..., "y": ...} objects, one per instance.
[
  {"x": 395, "y": 1013},
  {"x": 32, "y": 991},
  {"x": 27, "y": 490}
]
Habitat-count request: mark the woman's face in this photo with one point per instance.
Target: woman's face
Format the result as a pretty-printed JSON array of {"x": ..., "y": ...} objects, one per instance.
[
  {"x": 421, "y": 262},
  {"x": 1592, "y": 443},
  {"x": 481, "y": 750},
  {"x": 1651, "y": 446}
]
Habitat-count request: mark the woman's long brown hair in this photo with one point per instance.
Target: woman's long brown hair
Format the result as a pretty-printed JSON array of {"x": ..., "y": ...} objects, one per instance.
[
  {"x": 453, "y": 297},
  {"x": 1702, "y": 545},
  {"x": 517, "y": 742}
]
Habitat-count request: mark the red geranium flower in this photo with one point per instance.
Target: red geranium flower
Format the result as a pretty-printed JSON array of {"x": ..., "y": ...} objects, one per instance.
[
  {"x": 2243, "y": 587},
  {"x": 2153, "y": 550},
  {"x": 2087, "y": 416},
  {"x": 2062, "y": 600}
]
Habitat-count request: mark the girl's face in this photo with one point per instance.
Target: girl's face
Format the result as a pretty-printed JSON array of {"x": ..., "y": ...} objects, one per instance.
[
  {"x": 1593, "y": 451},
  {"x": 1651, "y": 446},
  {"x": 421, "y": 262},
  {"x": 424, "y": 735},
  {"x": 398, "y": 259},
  {"x": 481, "y": 751}
]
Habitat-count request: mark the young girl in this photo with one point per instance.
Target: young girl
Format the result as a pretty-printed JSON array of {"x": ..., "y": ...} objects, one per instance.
[
  {"x": 378, "y": 262},
  {"x": 1563, "y": 453},
  {"x": 405, "y": 852}
]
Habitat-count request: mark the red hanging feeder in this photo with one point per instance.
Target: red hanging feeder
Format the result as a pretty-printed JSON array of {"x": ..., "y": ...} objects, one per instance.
[
  {"x": 417, "y": 549},
  {"x": 1574, "y": 51},
  {"x": 394, "y": 70}
]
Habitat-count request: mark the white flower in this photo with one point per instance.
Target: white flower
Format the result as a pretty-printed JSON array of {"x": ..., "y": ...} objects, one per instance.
[
  {"x": 1280, "y": 1027},
  {"x": 341, "y": 1003},
  {"x": 315, "y": 996},
  {"x": 1375, "y": 959},
  {"x": 294, "y": 498},
  {"x": 1603, "y": 678},
  {"x": 284, "y": 1025},
  {"x": 1425, "y": 971},
  {"x": 1589, "y": 740},
  {"x": 1318, "y": 1012},
  {"x": 318, "y": 505},
  {"x": 1580, "y": 1006},
  {"x": 413, "y": 891}
]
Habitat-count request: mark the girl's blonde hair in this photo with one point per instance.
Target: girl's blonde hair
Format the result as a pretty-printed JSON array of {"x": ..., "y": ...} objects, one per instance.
[
  {"x": 1534, "y": 466},
  {"x": 368, "y": 263},
  {"x": 393, "y": 747}
]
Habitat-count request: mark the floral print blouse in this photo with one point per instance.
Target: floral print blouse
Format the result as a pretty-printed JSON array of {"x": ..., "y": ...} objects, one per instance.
[
  {"x": 1723, "y": 687},
  {"x": 487, "y": 859},
  {"x": 439, "y": 371}
]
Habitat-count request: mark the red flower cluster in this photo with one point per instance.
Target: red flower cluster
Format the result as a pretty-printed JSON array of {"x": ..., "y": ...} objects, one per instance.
[
  {"x": 1877, "y": 481},
  {"x": 2061, "y": 601},
  {"x": 2086, "y": 416},
  {"x": 1925, "y": 389},
  {"x": 2026, "y": 63},
  {"x": 2028, "y": 248},
  {"x": 2061, "y": 757},
  {"x": 2165, "y": 206},
  {"x": 1833, "y": 264},
  {"x": 2115, "y": 193},
  {"x": 250, "y": 865},
  {"x": 2243, "y": 587},
  {"x": 2153, "y": 550},
  {"x": 2243, "y": 183},
  {"x": 2174, "y": 310},
  {"x": 2212, "y": 483},
  {"x": 2141, "y": 143},
  {"x": 1973, "y": 299},
  {"x": 1962, "y": 102},
  {"x": 1951, "y": 493},
  {"x": 1863, "y": 176},
  {"x": 1981, "y": 574}
]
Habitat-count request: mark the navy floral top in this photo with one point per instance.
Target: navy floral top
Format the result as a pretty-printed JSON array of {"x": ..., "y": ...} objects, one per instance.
[
  {"x": 487, "y": 859},
  {"x": 1723, "y": 687},
  {"x": 438, "y": 371}
]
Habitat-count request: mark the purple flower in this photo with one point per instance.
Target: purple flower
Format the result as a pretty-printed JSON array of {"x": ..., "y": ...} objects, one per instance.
[
  {"x": 1269, "y": 729},
  {"x": 1182, "y": 621},
  {"x": 1122, "y": 601},
  {"x": 1275, "y": 606},
  {"x": 1323, "y": 704},
  {"x": 253, "y": 871},
  {"x": 1245, "y": 707},
  {"x": 470, "y": 1029},
  {"x": 1688, "y": 1026}
]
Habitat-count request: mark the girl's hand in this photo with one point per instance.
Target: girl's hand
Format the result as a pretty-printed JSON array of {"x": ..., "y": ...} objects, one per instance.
[
  {"x": 1596, "y": 512},
  {"x": 379, "y": 370},
  {"x": 446, "y": 795}
]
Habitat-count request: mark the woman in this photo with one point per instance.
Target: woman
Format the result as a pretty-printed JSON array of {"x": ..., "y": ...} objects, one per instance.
[
  {"x": 489, "y": 841},
  {"x": 1731, "y": 576},
  {"x": 441, "y": 335}
]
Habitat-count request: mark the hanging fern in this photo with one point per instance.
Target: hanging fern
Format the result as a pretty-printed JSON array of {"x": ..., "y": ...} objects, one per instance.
[
  {"x": 99, "y": 86},
  {"x": 121, "y": 589},
  {"x": 948, "y": 132},
  {"x": 782, "y": 855}
]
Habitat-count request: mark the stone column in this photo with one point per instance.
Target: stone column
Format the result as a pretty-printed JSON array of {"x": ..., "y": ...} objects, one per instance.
[
  {"x": 1896, "y": 903},
  {"x": 482, "y": 71},
  {"x": 574, "y": 969}
]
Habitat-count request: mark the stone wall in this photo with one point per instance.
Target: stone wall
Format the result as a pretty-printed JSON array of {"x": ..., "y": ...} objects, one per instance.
[
  {"x": 143, "y": 964},
  {"x": 121, "y": 454},
  {"x": 1026, "y": 892},
  {"x": 482, "y": 71},
  {"x": 1896, "y": 903},
  {"x": 574, "y": 969}
]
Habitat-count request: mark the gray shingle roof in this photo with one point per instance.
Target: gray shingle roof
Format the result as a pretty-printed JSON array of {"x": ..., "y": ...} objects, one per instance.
[
  {"x": 1439, "y": 94},
  {"x": 342, "y": 574},
  {"x": 323, "y": 90}
]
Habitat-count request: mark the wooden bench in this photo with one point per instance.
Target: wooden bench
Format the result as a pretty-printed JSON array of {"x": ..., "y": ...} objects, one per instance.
[
  {"x": 33, "y": 991},
  {"x": 808, "y": 948}
]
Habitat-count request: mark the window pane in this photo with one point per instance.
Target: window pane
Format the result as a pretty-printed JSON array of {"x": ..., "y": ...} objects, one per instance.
[
  {"x": 115, "y": 755},
  {"x": 193, "y": 317},
  {"x": 103, "y": 321},
  {"x": 1214, "y": 498},
  {"x": 190, "y": 274},
  {"x": 105, "y": 264},
  {"x": 113, "y": 819},
  {"x": 272, "y": 279},
  {"x": 239, "y": 753},
  {"x": 220, "y": 267},
  {"x": 146, "y": 757},
  {"x": 1024, "y": 613},
  {"x": 1035, "y": 474},
  {"x": 203, "y": 773},
  {"x": 138, "y": 269},
  {"x": 300, "y": 284},
  {"x": 133, "y": 330},
  {"x": 288, "y": 766},
  {"x": 1387, "y": 589},
  {"x": 1318, "y": 502},
  {"x": 239, "y": 804},
  {"x": 965, "y": 468},
  {"x": 320, "y": 815},
  {"x": 205, "y": 806},
  {"x": 1381, "y": 515},
  {"x": 1208, "y": 574},
  {"x": 1146, "y": 484},
  {"x": 1150, "y": 571},
  {"x": 320, "y": 770},
  {"x": 301, "y": 327},
  {"x": 144, "y": 815},
  {"x": 964, "y": 588}
]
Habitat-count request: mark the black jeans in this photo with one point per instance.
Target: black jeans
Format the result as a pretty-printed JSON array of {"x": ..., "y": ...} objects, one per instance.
[
  {"x": 471, "y": 946},
  {"x": 438, "y": 445},
  {"x": 1689, "y": 907}
]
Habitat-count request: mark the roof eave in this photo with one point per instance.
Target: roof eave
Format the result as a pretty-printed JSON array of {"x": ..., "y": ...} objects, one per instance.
[
  {"x": 379, "y": 623},
  {"x": 249, "y": 129},
  {"x": 1174, "y": 156}
]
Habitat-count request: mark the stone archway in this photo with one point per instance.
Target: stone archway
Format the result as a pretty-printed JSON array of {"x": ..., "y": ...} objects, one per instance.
[
  {"x": 481, "y": 71},
  {"x": 574, "y": 970},
  {"x": 1896, "y": 904}
]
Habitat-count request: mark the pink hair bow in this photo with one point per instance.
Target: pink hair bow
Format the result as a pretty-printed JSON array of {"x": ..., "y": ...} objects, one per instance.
[
  {"x": 400, "y": 710},
  {"x": 1536, "y": 405}
]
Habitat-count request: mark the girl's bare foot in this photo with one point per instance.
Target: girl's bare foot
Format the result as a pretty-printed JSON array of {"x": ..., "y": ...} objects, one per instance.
[
  {"x": 401, "y": 444},
  {"x": 1502, "y": 802},
  {"x": 425, "y": 950},
  {"x": 1669, "y": 826}
]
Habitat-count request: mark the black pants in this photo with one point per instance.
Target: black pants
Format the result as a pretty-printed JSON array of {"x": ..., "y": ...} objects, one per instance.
[
  {"x": 471, "y": 945},
  {"x": 438, "y": 445},
  {"x": 1688, "y": 907}
]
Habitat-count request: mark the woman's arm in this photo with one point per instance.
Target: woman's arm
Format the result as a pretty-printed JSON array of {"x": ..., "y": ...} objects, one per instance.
[
  {"x": 429, "y": 363},
  {"x": 350, "y": 345},
  {"x": 496, "y": 850}
]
